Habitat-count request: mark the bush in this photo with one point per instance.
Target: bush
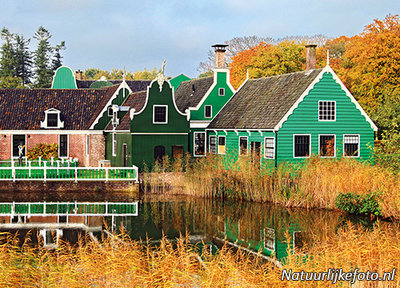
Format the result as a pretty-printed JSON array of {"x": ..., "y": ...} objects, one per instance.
[
  {"x": 46, "y": 151},
  {"x": 359, "y": 204}
]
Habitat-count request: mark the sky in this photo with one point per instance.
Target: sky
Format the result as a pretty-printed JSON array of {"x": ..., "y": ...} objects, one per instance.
[{"x": 141, "y": 34}]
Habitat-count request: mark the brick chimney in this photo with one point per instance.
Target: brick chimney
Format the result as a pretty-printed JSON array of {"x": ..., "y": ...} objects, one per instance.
[
  {"x": 311, "y": 56},
  {"x": 220, "y": 54},
  {"x": 79, "y": 75}
]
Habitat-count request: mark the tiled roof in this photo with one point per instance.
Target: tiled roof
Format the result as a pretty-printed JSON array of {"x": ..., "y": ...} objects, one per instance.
[
  {"x": 190, "y": 93},
  {"x": 262, "y": 103},
  {"x": 136, "y": 101},
  {"x": 135, "y": 85},
  {"x": 23, "y": 109}
]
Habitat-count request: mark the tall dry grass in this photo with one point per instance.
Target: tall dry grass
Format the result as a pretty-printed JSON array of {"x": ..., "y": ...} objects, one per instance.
[{"x": 121, "y": 262}]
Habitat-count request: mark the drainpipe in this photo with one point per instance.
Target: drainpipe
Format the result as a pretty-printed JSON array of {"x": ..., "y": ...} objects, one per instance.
[{"x": 276, "y": 149}]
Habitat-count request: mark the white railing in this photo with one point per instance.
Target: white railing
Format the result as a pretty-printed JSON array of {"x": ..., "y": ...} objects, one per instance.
[
  {"x": 45, "y": 173},
  {"x": 63, "y": 162}
]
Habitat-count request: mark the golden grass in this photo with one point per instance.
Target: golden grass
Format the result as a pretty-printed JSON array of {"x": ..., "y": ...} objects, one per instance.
[{"x": 121, "y": 262}]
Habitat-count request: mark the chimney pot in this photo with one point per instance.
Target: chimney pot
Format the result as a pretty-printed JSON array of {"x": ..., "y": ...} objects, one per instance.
[
  {"x": 220, "y": 54},
  {"x": 79, "y": 75},
  {"x": 311, "y": 56}
]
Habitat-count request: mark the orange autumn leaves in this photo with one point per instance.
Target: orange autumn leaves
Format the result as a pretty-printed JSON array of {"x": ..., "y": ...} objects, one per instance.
[{"x": 368, "y": 63}]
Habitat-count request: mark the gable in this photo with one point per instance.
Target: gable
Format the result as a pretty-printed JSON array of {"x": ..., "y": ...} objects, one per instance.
[
  {"x": 176, "y": 82},
  {"x": 64, "y": 78}
]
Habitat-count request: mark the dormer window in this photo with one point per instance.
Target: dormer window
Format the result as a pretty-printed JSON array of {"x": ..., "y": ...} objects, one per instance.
[{"x": 52, "y": 119}]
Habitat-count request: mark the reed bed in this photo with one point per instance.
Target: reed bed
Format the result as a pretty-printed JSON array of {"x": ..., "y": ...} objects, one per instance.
[{"x": 122, "y": 262}]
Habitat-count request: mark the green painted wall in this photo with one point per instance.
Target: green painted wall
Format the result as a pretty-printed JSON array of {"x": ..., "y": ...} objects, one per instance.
[
  {"x": 64, "y": 79},
  {"x": 175, "y": 82},
  {"x": 213, "y": 99},
  {"x": 304, "y": 120},
  {"x": 119, "y": 100},
  {"x": 122, "y": 138}
]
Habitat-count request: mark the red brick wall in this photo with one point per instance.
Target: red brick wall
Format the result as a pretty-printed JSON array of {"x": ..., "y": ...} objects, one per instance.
[
  {"x": 97, "y": 149},
  {"x": 77, "y": 147},
  {"x": 5, "y": 147},
  {"x": 33, "y": 139}
]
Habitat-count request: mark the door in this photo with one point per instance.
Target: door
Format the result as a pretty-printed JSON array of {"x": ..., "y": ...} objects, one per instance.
[
  {"x": 159, "y": 153},
  {"x": 255, "y": 149},
  {"x": 19, "y": 145},
  {"x": 177, "y": 151},
  {"x": 125, "y": 154}
]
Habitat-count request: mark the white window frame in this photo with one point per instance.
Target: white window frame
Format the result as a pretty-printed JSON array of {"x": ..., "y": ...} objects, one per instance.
[
  {"x": 359, "y": 145},
  {"x": 59, "y": 142},
  {"x": 274, "y": 239},
  {"x": 221, "y": 90},
  {"x": 12, "y": 145},
  {"x": 114, "y": 144},
  {"x": 265, "y": 148},
  {"x": 60, "y": 124},
  {"x": 322, "y": 120},
  {"x": 205, "y": 114},
  {"x": 194, "y": 144},
  {"x": 247, "y": 148},
  {"x": 87, "y": 145},
  {"x": 112, "y": 111},
  {"x": 319, "y": 145},
  {"x": 294, "y": 146},
  {"x": 218, "y": 145},
  {"x": 166, "y": 114}
]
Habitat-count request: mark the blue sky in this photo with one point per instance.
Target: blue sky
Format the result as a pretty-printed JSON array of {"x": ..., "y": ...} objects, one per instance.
[{"x": 141, "y": 34}]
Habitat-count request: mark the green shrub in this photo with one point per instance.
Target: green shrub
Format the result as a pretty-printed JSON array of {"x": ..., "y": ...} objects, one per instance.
[{"x": 359, "y": 204}]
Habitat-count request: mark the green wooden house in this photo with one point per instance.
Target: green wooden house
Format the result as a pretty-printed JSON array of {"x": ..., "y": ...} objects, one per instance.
[
  {"x": 153, "y": 128},
  {"x": 288, "y": 118},
  {"x": 202, "y": 99}
]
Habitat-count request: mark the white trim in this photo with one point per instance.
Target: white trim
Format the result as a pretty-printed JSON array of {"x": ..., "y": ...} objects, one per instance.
[
  {"x": 87, "y": 141},
  {"x": 241, "y": 130},
  {"x": 12, "y": 146},
  {"x": 59, "y": 141},
  {"x": 216, "y": 144},
  {"x": 247, "y": 148},
  {"x": 327, "y": 69},
  {"x": 319, "y": 145},
  {"x": 108, "y": 111},
  {"x": 114, "y": 143},
  {"x": 50, "y": 132},
  {"x": 139, "y": 133},
  {"x": 55, "y": 72},
  {"x": 205, "y": 111},
  {"x": 199, "y": 123},
  {"x": 359, "y": 145},
  {"x": 44, "y": 123},
  {"x": 294, "y": 145},
  {"x": 265, "y": 148},
  {"x": 109, "y": 103},
  {"x": 154, "y": 114},
  {"x": 173, "y": 98},
  {"x": 205, "y": 143},
  {"x": 117, "y": 131},
  {"x": 220, "y": 136},
  {"x": 332, "y": 101},
  {"x": 274, "y": 239}
]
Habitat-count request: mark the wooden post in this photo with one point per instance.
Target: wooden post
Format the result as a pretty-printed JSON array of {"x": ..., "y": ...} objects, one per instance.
[
  {"x": 40, "y": 161},
  {"x": 76, "y": 175},
  {"x": 52, "y": 161},
  {"x": 29, "y": 169},
  {"x": 106, "y": 173},
  {"x": 44, "y": 171}
]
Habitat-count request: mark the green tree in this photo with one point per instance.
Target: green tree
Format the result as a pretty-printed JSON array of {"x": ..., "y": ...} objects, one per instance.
[
  {"x": 43, "y": 72},
  {"x": 56, "y": 62},
  {"x": 8, "y": 60},
  {"x": 10, "y": 82},
  {"x": 23, "y": 59}
]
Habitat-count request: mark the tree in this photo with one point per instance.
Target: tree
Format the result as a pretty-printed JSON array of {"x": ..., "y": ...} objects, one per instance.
[
  {"x": 95, "y": 74},
  {"x": 56, "y": 62},
  {"x": 8, "y": 60},
  {"x": 10, "y": 82},
  {"x": 23, "y": 59},
  {"x": 43, "y": 72}
]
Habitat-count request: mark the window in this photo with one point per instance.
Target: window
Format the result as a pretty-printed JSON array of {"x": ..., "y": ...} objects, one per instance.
[
  {"x": 221, "y": 91},
  {"x": 213, "y": 145},
  {"x": 221, "y": 144},
  {"x": 63, "y": 146},
  {"x": 87, "y": 145},
  {"x": 114, "y": 144},
  {"x": 269, "y": 147},
  {"x": 19, "y": 141},
  {"x": 199, "y": 143},
  {"x": 110, "y": 111},
  {"x": 269, "y": 239},
  {"x": 351, "y": 145},
  {"x": 326, "y": 110},
  {"x": 327, "y": 145},
  {"x": 52, "y": 120},
  {"x": 302, "y": 145},
  {"x": 243, "y": 145},
  {"x": 207, "y": 111},
  {"x": 160, "y": 114}
]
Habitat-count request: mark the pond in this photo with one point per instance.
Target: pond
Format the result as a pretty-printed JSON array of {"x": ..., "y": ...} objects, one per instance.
[{"x": 273, "y": 230}]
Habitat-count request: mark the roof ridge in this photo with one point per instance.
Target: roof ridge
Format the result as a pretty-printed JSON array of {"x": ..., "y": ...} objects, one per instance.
[{"x": 286, "y": 74}]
